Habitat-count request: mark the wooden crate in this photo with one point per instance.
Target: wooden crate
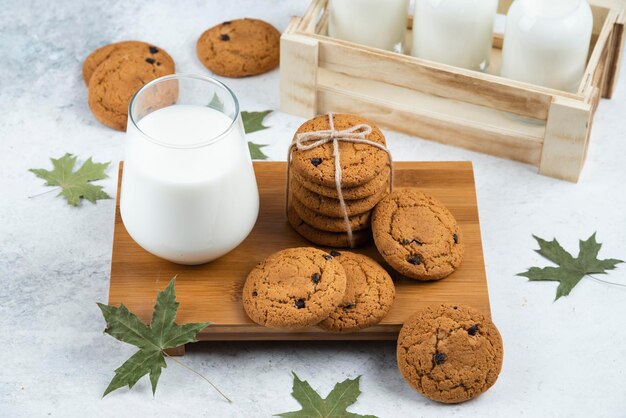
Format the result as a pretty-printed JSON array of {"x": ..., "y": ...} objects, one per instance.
[{"x": 478, "y": 111}]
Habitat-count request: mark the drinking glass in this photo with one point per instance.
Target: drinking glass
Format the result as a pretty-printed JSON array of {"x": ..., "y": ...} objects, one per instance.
[{"x": 189, "y": 193}]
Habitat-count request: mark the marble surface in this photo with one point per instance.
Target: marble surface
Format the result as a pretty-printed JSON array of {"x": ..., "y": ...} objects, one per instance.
[{"x": 562, "y": 359}]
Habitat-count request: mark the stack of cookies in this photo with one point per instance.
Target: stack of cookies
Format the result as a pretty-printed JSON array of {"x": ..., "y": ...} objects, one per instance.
[
  {"x": 302, "y": 287},
  {"x": 115, "y": 72},
  {"x": 314, "y": 209}
]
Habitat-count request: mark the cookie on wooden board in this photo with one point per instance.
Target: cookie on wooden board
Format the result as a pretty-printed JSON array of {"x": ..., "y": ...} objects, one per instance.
[
  {"x": 417, "y": 235},
  {"x": 327, "y": 223},
  {"x": 368, "y": 298},
  {"x": 360, "y": 163},
  {"x": 114, "y": 83},
  {"x": 240, "y": 48},
  {"x": 294, "y": 288},
  {"x": 325, "y": 238},
  {"x": 141, "y": 49},
  {"x": 449, "y": 353},
  {"x": 381, "y": 181},
  {"x": 332, "y": 207}
]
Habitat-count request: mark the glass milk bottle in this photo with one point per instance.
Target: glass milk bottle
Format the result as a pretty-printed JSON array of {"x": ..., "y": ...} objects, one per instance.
[
  {"x": 376, "y": 23},
  {"x": 547, "y": 42},
  {"x": 454, "y": 32},
  {"x": 189, "y": 193}
]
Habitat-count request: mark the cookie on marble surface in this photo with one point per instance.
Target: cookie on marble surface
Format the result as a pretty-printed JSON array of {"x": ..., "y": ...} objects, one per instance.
[
  {"x": 368, "y": 298},
  {"x": 114, "y": 83},
  {"x": 325, "y": 238},
  {"x": 360, "y": 163},
  {"x": 294, "y": 288},
  {"x": 449, "y": 353},
  {"x": 240, "y": 48},
  {"x": 417, "y": 235},
  {"x": 328, "y": 223},
  {"x": 141, "y": 49},
  {"x": 332, "y": 207},
  {"x": 349, "y": 193}
]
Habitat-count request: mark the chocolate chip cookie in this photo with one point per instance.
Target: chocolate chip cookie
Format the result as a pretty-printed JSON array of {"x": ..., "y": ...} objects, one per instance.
[
  {"x": 325, "y": 238},
  {"x": 370, "y": 188},
  {"x": 240, "y": 48},
  {"x": 141, "y": 49},
  {"x": 449, "y": 353},
  {"x": 114, "y": 83},
  {"x": 417, "y": 235},
  {"x": 327, "y": 223},
  {"x": 294, "y": 288},
  {"x": 331, "y": 207},
  {"x": 360, "y": 163},
  {"x": 369, "y": 294}
]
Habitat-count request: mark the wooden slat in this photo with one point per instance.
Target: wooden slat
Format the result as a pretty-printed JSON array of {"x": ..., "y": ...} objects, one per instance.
[
  {"x": 431, "y": 78},
  {"x": 469, "y": 126},
  {"x": 212, "y": 292},
  {"x": 311, "y": 16},
  {"x": 567, "y": 133},
  {"x": 298, "y": 73},
  {"x": 615, "y": 59},
  {"x": 599, "y": 55}
]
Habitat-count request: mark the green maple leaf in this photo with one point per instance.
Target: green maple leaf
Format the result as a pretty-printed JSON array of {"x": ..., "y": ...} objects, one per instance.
[
  {"x": 216, "y": 103},
  {"x": 571, "y": 270},
  {"x": 255, "y": 151},
  {"x": 338, "y": 400},
  {"x": 253, "y": 121},
  {"x": 162, "y": 333},
  {"x": 75, "y": 185}
]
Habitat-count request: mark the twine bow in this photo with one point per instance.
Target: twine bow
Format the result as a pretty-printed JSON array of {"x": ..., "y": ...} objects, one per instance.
[{"x": 355, "y": 134}]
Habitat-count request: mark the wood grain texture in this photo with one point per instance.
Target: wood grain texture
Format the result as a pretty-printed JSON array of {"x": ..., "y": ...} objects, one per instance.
[
  {"x": 298, "y": 73},
  {"x": 451, "y": 105},
  {"x": 212, "y": 292}
]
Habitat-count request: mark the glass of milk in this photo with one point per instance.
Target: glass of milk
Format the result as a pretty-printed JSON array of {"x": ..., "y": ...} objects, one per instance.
[
  {"x": 189, "y": 193},
  {"x": 376, "y": 23},
  {"x": 547, "y": 42},
  {"x": 454, "y": 32}
]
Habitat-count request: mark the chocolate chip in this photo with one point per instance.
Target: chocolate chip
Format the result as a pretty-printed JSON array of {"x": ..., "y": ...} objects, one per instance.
[
  {"x": 316, "y": 161},
  {"x": 299, "y": 304},
  {"x": 158, "y": 63},
  {"x": 439, "y": 358},
  {"x": 150, "y": 60},
  {"x": 153, "y": 49},
  {"x": 328, "y": 257},
  {"x": 348, "y": 306},
  {"x": 226, "y": 22},
  {"x": 335, "y": 253},
  {"x": 315, "y": 277},
  {"x": 455, "y": 237},
  {"x": 408, "y": 241},
  {"x": 415, "y": 259},
  {"x": 224, "y": 37},
  {"x": 473, "y": 330},
  {"x": 254, "y": 294}
]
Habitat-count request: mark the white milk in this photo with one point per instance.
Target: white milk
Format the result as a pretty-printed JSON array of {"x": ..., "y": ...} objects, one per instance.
[
  {"x": 376, "y": 23},
  {"x": 188, "y": 205},
  {"x": 454, "y": 32},
  {"x": 547, "y": 42}
]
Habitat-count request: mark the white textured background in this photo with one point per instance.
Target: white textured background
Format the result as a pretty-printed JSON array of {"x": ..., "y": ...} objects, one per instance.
[{"x": 561, "y": 359}]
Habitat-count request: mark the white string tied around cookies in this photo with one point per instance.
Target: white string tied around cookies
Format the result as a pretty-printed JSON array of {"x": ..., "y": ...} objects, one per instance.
[{"x": 356, "y": 134}]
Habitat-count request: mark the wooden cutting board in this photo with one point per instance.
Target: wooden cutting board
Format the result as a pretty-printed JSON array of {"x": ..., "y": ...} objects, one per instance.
[{"x": 212, "y": 292}]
